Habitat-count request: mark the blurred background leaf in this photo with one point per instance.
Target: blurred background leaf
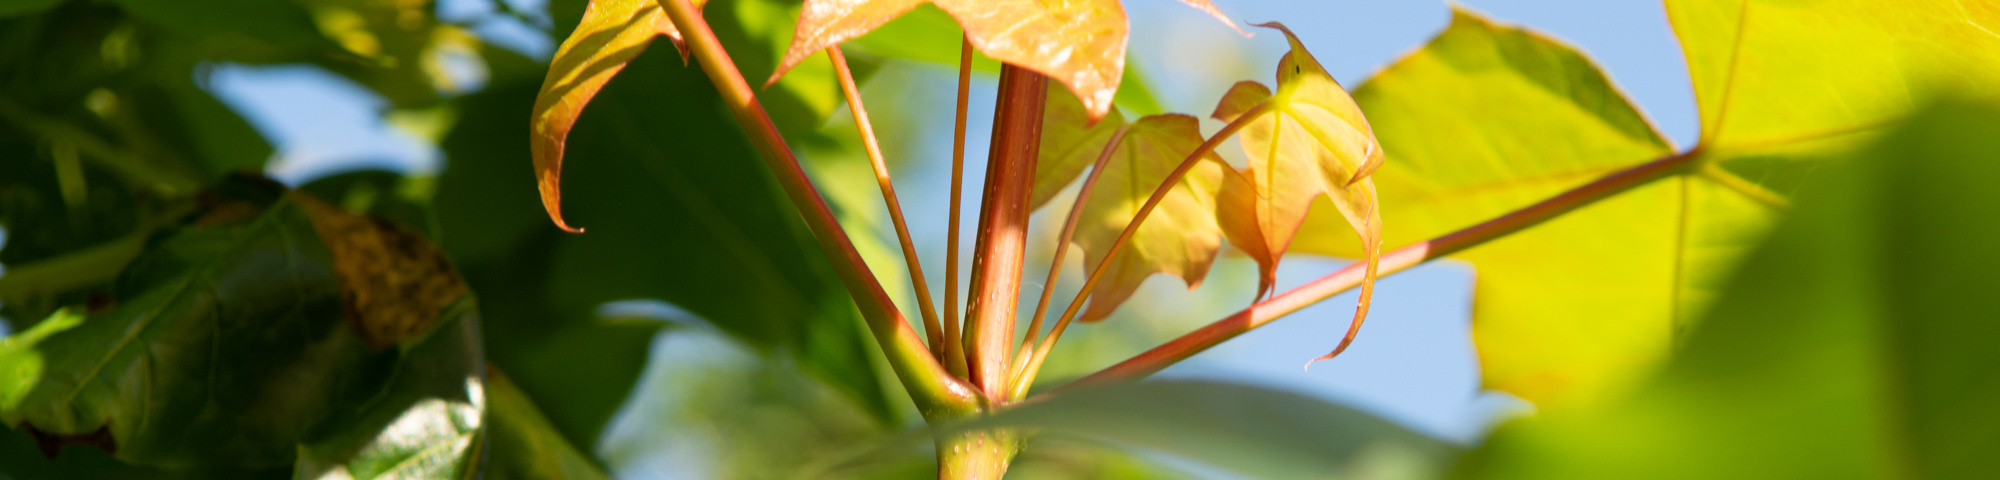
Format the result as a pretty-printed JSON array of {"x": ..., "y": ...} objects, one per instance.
[
  {"x": 1249, "y": 430},
  {"x": 1851, "y": 345}
]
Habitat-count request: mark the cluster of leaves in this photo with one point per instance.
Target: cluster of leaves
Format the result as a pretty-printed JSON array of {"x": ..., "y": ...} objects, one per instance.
[{"x": 202, "y": 327}]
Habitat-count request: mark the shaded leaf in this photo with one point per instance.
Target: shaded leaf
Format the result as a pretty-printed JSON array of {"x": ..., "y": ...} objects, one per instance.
[
  {"x": 612, "y": 33},
  {"x": 1851, "y": 345},
  {"x": 688, "y": 218},
  {"x": 25, "y": 7},
  {"x": 1078, "y": 44},
  {"x": 1309, "y": 139},
  {"x": 1179, "y": 238},
  {"x": 428, "y": 423},
  {"x": 1251, "y": 430},
  {"x": 521, "y": 444},
  {"x": 229, "y": 346}
]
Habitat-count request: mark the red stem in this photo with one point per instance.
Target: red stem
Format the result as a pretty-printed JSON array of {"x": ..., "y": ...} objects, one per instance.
[
  {"x": 1003, "y": 228},
  {"x": 954, "y": 347}
]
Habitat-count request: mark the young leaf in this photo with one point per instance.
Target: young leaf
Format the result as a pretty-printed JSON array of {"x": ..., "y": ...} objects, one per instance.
[
  {"x": 1070, "y": 142},
  {"x": 612, "y": 33},
  {"x": 1310, "y": 139},
  {"x": 1180, "y": 237},
  {"x": 1080, "y": 43}
]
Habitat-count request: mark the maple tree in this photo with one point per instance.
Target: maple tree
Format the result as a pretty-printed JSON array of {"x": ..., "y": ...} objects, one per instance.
[{"x": 1798, "y": 293}]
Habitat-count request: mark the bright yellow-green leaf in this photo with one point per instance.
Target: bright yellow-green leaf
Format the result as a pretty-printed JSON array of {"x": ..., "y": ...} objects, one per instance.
[
  {"x": 1308, "y": 138},
  {"x": 1489, "y": 119},
  {"x": 1775, "y": 71},
  {"x": 1180, "y": 237},
  {"x": 1070, "y": 142},
  {"x": 612, "y": 33},
  {"x": 1078, "y": 43}
]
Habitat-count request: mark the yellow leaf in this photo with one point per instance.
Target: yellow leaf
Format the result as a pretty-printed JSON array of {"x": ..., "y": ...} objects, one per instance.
[
  {"x": 1179, "y": 238},
  {"x": 1078, "y": 43},
  {"x": 612, "y": 33},
  {"x": 1310, "y": 138}
]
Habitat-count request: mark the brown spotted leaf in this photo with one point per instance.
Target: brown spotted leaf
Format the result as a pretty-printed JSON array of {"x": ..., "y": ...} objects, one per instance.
[
  {"x": 612, "y": 33},
  {"x": 1070, "y": 142},
  {"x": 1078, "y": 43},
  {"x": 393, "y": 281},
  {"x": 1179, "y": 238},
  {"x": 1309, "y": 138}
]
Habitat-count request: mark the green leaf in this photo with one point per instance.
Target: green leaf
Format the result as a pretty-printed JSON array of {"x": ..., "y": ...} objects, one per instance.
[
  {"x": 428, "y": 423},
  {"x": 1251, "y": 430},
  {"x": 201, "y": 361},
  {"x": 1487, "y": 119},
  {"x": 285, "y": 25},
  {"x": 683, "y": 214},
  {"x": 1528, "y": 118},
  {"x": 521, "y": 444},
  {"x": 10, "y": 8},
  {"x": 1853, "y": 344}
]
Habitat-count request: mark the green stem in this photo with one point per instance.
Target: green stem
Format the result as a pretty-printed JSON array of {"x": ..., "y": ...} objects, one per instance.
[
  {"x": 1152, "y": 361},
  {"x": 935, "y": 391}
]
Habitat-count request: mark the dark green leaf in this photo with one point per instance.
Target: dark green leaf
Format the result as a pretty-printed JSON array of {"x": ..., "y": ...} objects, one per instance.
[
  {"x": 521, "y": 444},
  {"x": 678, "y": 210},
  {"x": 238, "y": 338},
  {"x": 24, "y": 7}
]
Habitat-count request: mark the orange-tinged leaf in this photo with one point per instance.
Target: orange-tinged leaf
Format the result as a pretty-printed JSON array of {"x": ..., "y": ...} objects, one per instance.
[
  {"x": 1179, "y": 238},
  {"x": 612, "y": 33},
  {"x": 1070, "y": 142},
  {"x": 1310, "y": 139},
  {"x": 1078, "y": 43}
]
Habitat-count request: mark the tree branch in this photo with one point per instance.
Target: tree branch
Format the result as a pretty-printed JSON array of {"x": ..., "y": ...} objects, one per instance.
[{"x": 935, "y": 391}]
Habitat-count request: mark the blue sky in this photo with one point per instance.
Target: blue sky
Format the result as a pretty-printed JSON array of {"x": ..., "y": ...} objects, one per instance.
[{"x": 1414, "y": 361}]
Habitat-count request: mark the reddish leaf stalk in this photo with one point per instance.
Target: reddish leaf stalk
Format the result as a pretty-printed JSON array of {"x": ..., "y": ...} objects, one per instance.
[
  {"x": 1152, "y": 361},
  {"x": 954, "y": 348},
  {"x": 1056, "y": 264},
  {"x": 1003, "y": 228},
  {"x": 935, "y": 391},
  {"x": 895, "y": 206},
  {"x": 1042, "y": 349}
]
